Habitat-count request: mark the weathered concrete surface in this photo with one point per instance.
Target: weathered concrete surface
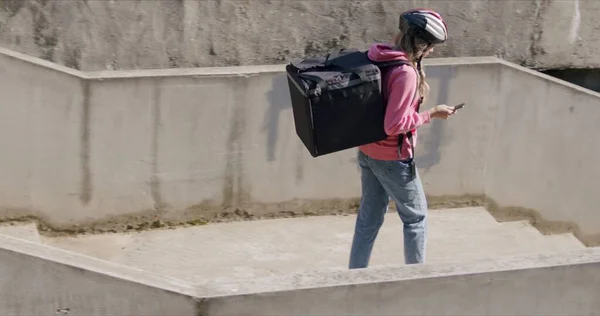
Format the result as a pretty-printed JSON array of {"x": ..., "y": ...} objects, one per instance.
[
  {"x": 40, "y": 280},
  {"x": 126, "y": 150},
  {"x": 558, "y": 284},
  {"x": 218, "y": 253},
  {"x": 539, "y": 155},
  {"x": 94, "y": 35},
  {"x": 41, "y": 124},
  {"x": 25, "y": 231}
]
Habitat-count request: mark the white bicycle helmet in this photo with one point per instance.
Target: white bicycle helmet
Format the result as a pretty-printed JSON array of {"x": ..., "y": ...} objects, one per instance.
[{"x": 424, "y": 23}]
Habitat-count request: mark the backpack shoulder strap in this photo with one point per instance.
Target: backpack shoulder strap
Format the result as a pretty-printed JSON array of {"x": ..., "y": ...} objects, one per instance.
[
  {"x": 409, "y": 134},
  {"x": 386, "y": 64}
]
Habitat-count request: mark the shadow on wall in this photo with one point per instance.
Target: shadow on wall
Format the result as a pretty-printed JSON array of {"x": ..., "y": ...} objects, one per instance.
[
  {"x": 279, "y": 100},
  {"x": 437, "y": 133}
]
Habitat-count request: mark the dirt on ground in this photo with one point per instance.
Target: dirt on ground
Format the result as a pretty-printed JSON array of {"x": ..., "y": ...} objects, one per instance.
[{"x": 207, "y": 213}]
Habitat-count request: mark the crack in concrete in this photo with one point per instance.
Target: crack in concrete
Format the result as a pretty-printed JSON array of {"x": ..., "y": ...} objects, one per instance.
[
  {"x": 154, "y": 181},
  {"x": 235, "y": 185},
  {"x": 85, "y": 194}
]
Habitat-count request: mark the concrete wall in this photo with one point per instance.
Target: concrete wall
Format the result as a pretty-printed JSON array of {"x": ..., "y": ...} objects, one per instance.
[
  {"x": 174, "y": 142},
  {"x": 561, "y": 284},
  {"x": 524, "y": 135},
  {"x": 40, "y": 280},
  {"x": 195, "y": 143},
  {"x": 94, "y": 35},
  {"x": 451, "y": 154},
  {"x": 40, "y": 137},
  {"x": 543, "y": 153}
]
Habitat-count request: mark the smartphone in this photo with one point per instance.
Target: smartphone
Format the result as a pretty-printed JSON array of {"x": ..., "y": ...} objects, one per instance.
[{"x": 460, "y": 106}]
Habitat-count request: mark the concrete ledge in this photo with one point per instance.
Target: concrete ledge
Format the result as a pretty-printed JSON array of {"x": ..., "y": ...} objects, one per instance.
[
  {"x": 548, "y": 77},
  {"x": 549, "y": 284},
  {"x": 40, "y": 62},
  {"x": 449, "y": 61},
  {"x": 233, "y": 71},
  {"x": 230, "y": 71},
  {"x": 393, "y": 273},
  {"x": 60, "y": 281},
  {"x": 249, "y": 70},
  {"x": 40, "y": 280}
]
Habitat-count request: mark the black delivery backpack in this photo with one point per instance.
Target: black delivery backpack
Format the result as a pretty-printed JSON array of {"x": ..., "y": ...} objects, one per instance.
[{"x": 337, "y": 100}]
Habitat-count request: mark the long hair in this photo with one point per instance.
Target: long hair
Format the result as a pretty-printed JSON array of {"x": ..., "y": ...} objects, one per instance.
[{"x": 414, "y": 47}]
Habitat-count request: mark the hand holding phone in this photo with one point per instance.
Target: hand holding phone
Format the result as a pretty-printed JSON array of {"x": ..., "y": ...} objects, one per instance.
[
  {"x": 441, "y": 111},
  {"x": 458, "y": 107}
]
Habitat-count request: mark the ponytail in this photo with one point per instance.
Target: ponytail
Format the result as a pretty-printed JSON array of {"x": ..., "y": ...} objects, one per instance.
[{"x": 415, "y": 47}]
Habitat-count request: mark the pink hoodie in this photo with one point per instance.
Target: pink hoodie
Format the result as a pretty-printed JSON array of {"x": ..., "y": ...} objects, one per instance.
[{"x": 399, "y": 86}]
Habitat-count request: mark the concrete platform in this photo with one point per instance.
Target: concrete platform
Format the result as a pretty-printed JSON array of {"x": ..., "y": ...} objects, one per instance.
[
  {"x": 43, "y": 280},
  {"x": 26, "y": 231},
  {"x": 246, "y": 250}
]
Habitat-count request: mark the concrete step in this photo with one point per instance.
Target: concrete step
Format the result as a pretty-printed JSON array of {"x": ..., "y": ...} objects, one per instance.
[
  {"x": 511, "y": 238},
  {"x": 281, "y": 246},
  {"x": 27, "y": 231}
]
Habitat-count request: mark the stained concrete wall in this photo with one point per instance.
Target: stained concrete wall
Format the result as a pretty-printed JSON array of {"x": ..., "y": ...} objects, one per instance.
[
  {"x": 197, "y": 143},
  {"x": 543, "y": 153},
  {"x": 94, "y": 35},
  {"x": 40, "y": 137},
  {"x": 175, "y": 142},
  {"x": 524, "y": 135},
  {"x": 40, "y": 280}
]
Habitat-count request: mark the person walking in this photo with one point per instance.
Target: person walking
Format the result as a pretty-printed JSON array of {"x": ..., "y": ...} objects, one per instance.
[{"x": 388, "y": 167}]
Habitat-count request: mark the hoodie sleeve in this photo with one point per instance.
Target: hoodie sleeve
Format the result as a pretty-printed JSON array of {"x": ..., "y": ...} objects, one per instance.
[{"x": 400, "y": 115}]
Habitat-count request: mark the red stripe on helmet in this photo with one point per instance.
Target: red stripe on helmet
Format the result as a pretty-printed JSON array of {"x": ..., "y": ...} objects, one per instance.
[{"x": 425, "y": 10}]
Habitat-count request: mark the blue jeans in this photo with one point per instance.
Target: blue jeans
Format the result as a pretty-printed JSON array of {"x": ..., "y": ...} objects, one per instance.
[{"x": 382, "y": 180}]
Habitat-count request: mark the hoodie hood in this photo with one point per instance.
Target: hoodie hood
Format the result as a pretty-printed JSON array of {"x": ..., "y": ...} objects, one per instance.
[{"x": 384, "y": 52}]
